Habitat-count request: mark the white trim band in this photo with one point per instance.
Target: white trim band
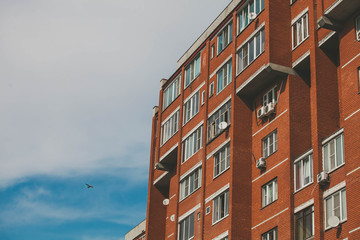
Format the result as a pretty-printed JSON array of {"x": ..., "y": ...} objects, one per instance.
[
  {"x": 221, "y": 65},
  {"x": 270, "y": 122},
  {"x": 353, "y": 171},
  {"x": 168, "y": 152},
  {"x": 194, "y": 92},
  {"x": 171, "y": 114},
  {"x": 354, "y": 230},
  {"x": 334, "y": 135},
  {"x": 350, "y": 61},
  {"x": 300, "y": 59},
  {"x": 185, "y": 215},
  {"x": 212, "y": 196},
  {"x": 352, "y": 114},
  {"x": 304, "y": 205},
  {"x": 299, "y": 15},
  {"x": 170, "y": 235},
  {"x": 270, "y": 218},
  {"x": 270, "y": 169},
  {"x": 221, "y": 236},
  {"x": 334, "y": 189},
  {"x": 199, "y": 164},
  {"x": 159, "y": 178},
  {"x": 218, "y": 148},
  {"x": 304, "y": 155},
  {"x": 193, "y": 130},
  {"x": 251, "y": 36},
  {"x": 219, "y": 106}
]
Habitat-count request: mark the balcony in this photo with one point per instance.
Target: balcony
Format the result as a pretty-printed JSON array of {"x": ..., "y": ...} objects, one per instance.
[
  {"x": 330, "y": 46},
  {"x": 302, "y": 67},
  {"x": 162, "y": 183},
  {"x": 262, "y": 78},
  {"x": 168, "y": 161},
  {"x": 335, "y": 15}
]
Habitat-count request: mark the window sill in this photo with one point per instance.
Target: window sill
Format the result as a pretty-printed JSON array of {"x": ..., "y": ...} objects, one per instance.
[
  {"x": 268, "y": 204},
  {"x": 170, "y": 103},
  {"x": 214, "y": 223},
  {"x": 185, "y": 87},
  {"x": 225, "y": 130},
  {"x": 270, "y": 155},
  {"x": 169, "y": 139},
  {"x": 300, "y": 43},
  {"x": 341, "y": 222},
  {"x": 190, "y": 119},
  {"x": 217, "y": 93},
  {"x": 238, "y": 73},
  {"x": 182, "y": 162},
  {"x": 222, "y": 50},
  {"x": 189, "y": 195},
  {"x": 307, "y": 185},
  {"x": 334, "y": 169}
]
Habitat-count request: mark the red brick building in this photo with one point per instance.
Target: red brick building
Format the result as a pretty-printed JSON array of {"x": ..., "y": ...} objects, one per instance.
[{"x": 257, "y": 133}]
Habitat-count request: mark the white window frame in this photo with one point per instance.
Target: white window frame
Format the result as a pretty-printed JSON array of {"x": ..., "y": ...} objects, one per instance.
[
  {"x": 298, "y": 26},
  {"x": 304, "y": 218},
  {"x": 191, "y": 107},
  {"x": 357, "y": 28},
  {"x": 212, "y": 51},
  {"x": 221, "y": 207},
  {"x": 192, "y": 143},
  {"x": 222, "y": 160},
  {"x": 170, "y": 127},
  {"x": 269, "y": 144},
  {"x": 190, "y": 220},
  {"x": 242, "y": 15},
  {"x": 301, "y": 164},
  {"x": 226, "y": 35},
  {"x": 273, "y": 232},
  {"x": 326, "y": 153},
  {"x": 190, "y": 183},
  {"x": 211, "y": 89},
  {"x": 255, "y": 45},
  {"x": 226, "y": 73},
  {"x": 267, "y": 96},
  {"x": 202, "y": 97},
  {"x": 218, "y": 116},
  {"x": 171, "y": 92},
  {"x": 342, "y": 207},
  {"x": 272, "y": 187},
  {"x": 192, "y": 70}
]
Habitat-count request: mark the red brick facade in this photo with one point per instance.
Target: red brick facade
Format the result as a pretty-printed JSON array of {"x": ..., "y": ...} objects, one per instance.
[{"x": 317, "y": 114}]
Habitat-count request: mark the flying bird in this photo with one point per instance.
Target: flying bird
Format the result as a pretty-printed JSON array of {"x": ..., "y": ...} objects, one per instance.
[{"x": 89, "y": 186}]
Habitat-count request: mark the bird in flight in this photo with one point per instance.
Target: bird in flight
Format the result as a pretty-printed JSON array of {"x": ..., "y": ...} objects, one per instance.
[{"x": 89, "y": 186}]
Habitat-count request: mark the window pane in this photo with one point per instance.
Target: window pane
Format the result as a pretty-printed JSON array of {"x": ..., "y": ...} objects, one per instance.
[
  {"x": 298, "y": 171},
  {"x": 337, "y": 205},
  {"x": 339, "y": 151},
  {"x": 257, "y": 6},
  {"x": 343, "y": 205},
  {"x": 326, "y": 157},
  {"x": 251, "y": 50}
]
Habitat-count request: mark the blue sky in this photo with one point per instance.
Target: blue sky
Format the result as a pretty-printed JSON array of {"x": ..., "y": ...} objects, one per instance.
[{"x": 78, "y": 80}]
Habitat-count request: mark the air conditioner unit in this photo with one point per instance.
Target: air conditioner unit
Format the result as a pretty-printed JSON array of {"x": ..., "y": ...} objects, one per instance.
[
  {"x": 261, "y": 112},
  {"x": 269, "y": 108},
  {"x": 261, "y": 163},
  {"x": 323, "y": 177}
]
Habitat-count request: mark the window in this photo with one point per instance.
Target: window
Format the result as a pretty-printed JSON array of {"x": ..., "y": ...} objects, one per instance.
[
  {"x": 186, "y": 227},
  {"x": 224, "y": 37},
  {"x": 191, "y": 107},
  {"x": 269, "y": 144},
  {"x": 250, "y": 50},
  {"x": 202, "y": 97},
  {"x": 171, "y": 92},
  {"x": 212, "y": 51},
  {"x": 170, "y": 127},
  {"x": 335, "y": 205},
  {"x": 192, "y": 144},
  {"x": 269, "y": 97},
  {"x": 300, "y": 30},
  {"x": 303, "y": 170},
  {"x": 304, "y": 224},
  {"x": 190, "y": 184},
  {"x": 357, "y": 28},
  {"x": 192, "y": 70},
  {"x": 221, "y": 206},
  {"x": 221, "y": 115},
  {"x": 224, "y": 76},
  {"x": 211, "y": 89},
  {"x": 270, "y": 235},
  {"x": 269, "y": 192},
  {"x": 333, "y": 153},
  {"x": 222, "y": 160},
  {"x": 244, "y": 18},
  {"x": 292, "y": 1}
]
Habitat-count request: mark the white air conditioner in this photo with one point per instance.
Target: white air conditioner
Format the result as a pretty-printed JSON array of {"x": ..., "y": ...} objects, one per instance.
[
  {"x": 261, "y": 112},
  {"x": 261, "y": 163},
  {"x": 269, "y": 108},
  {"x": 323, "y": 177}
]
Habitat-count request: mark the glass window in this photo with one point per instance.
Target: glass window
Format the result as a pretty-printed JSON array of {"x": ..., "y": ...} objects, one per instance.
[
  {"x": 221, "y": 115},
  {"x": 269, "y": 192},
  {"x": 192, "y": 144},
  {"x": 270, "y": 235},
  {"x": 269, "y": 97},
  {"x": 191, "y": 107},
  {"x": 190, "y": 184},
  {"x": 225, "y": 37},
  {"x": 192, "y": 70},
  {"x": 333, "y": 153},
  {"x": 357, "y": 23},
  {"x": 221, "y": 206},
  {"x": 335, "y": 205},
  {"x": 211, "y": 89},
  {"x": 171, "y": 92},
  {"x": 224, "y": 76},
  {"x": 269, "y": 144},
  {"x": 222, "y": 160},
  {"x": 300, "y": 30},
  {"x": 250, "y": 50},
  {"x": 243, "y": 16},
  {"x": 304, "y": 224},
  {"x": 303, "y": 172},
  {"x": 186, "y": 228},
  {"x": 170, "y": 127}
]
